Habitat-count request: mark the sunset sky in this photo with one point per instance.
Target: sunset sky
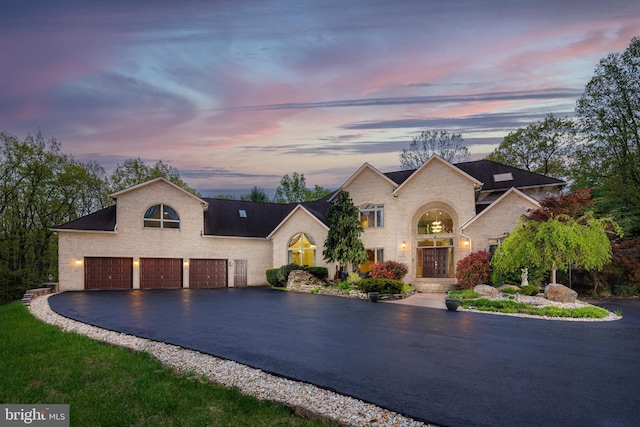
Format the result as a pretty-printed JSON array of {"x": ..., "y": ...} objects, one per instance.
[{"x": 238, "y": 93}]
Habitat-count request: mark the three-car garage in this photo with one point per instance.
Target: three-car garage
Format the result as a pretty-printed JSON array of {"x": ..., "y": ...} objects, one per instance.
[{"x": 154, "y": 273}]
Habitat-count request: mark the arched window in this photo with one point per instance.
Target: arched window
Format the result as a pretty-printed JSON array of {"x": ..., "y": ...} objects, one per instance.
[
  {"x": 435, "y": 221},
  {"x": 161, "y": 216},
  {"x": 301, "y": 250}
]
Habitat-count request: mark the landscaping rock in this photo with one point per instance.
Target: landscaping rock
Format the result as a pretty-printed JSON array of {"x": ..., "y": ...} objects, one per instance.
[
  {"x": 559, "y": 293},
  {"x": 486, "y": 290},
  {"x": 514, "y": 287},
  {"x": 302, "y": 281}
]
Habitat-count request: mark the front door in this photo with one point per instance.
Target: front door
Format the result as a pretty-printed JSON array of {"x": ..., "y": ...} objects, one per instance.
[{"x": 435, "y": 262}]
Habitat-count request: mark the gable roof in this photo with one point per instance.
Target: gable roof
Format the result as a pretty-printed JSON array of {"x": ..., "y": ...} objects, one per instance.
[
  {"x": 360, "y": 171},
  {"x": 223, "y": 217},
  {"x": 153, "y": 181},
  {"x": 485, "y": 171},
  {"x": 432, "y": 159},
  {"x": 102, "y": 220},
  {"x": 512, "y": 191}
]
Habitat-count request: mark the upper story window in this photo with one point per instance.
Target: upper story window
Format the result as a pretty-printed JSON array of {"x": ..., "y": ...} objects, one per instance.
[
  {"x": 161, "y": 216},
  {"x": 435, "y": 221},
  {"x": 372, "y": 216}
]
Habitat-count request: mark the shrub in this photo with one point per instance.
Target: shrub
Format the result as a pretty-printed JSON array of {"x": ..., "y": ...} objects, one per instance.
[
  {"x": 388, "y": 270},
  {"x": 283, "y": 273},
  {"x": 625, "y": 291},
  {"x": 384, "y": 286},
  {"x": 320, "y": 272},
  {"x": 474, "y": 269},
  {"x": 353, "y": 278},
  {"x": 531, "y": 290},
  {"x": 272, "y": 276}
]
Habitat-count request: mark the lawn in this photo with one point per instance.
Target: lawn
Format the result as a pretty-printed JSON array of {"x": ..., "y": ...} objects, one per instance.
[{"x": 111, "y": 386}]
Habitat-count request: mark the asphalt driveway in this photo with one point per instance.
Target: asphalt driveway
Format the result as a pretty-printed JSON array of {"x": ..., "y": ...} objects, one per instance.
[{"x": 449, "y": 368}]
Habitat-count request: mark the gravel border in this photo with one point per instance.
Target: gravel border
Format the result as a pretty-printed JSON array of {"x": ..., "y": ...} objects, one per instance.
[{"x": 305, "y": 399}]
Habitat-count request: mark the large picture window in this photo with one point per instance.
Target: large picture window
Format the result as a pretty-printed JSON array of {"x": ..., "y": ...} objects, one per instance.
[
  {"x": 161, "y": 216},
  {"x": 302, "y": 250},
  {"x": 371, "y": 216},
  {"x": 373, "y": 256}
]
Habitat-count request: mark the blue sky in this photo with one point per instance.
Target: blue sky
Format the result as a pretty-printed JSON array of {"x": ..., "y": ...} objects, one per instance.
[{"x": 238, "y": 93}]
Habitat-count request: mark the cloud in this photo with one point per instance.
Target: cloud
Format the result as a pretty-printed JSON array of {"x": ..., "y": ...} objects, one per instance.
[{"x": 541, "y": 94}]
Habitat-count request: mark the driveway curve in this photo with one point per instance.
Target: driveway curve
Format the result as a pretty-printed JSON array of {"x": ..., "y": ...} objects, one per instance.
[{"x": 448, "y": 368}]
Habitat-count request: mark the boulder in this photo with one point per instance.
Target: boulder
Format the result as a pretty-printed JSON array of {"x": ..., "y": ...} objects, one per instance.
[
  {"x": 486, "y": 290},
  {"x": 559, "y": 293},
  {"x": 303, "y": 281}
]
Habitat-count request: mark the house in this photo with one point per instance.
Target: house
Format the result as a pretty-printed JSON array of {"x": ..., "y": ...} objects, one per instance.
[{"x": 158, "y": 235}]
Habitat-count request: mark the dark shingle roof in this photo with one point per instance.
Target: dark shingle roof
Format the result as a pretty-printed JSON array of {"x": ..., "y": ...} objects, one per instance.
[
  {"x": 223, "y": 216},
  {"x": 102, "y": 220},
  {"x": 484, "y": 171}
]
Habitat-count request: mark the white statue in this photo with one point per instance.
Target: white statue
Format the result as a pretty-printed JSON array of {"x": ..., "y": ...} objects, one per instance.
[{"x": 525, "y": 276}]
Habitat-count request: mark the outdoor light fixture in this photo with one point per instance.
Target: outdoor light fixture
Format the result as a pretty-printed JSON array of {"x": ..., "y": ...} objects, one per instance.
[
  {"x": 135, "y": 263},
  {"x": 78, "y": 263},
  {"x": 404, "y": 244},
  {"x": 186, "y": 263}
]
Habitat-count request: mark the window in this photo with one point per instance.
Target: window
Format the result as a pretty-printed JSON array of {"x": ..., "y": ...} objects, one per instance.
[
  {"x": 161, "y": 216},
  {"x": 242, "y": 213},
  {"x": 373, "y": 255},
  {"x": 493, "y": 245},
  {"x": 435, "y": 221},
  {"x": 301, "y": 250},
  {"x": 372, "y": 216}
]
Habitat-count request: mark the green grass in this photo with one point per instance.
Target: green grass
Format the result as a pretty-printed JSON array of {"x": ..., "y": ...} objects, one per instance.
[
  {"x": 111, "y": 386},
  {"x": 463, "y": 293},
  {"x": 504, "y": 306}
]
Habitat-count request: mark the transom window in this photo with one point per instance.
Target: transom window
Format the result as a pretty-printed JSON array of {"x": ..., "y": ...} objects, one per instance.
[
  {"x": 301, "y": 250},
  {"x": 371, "y": 216},
  {"x": 161, "y": 216},
  {"x": 435, "y": 221}
]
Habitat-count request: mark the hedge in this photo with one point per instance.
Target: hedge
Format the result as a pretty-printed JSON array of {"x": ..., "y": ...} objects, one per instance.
[{"x": 385, "y": 286}]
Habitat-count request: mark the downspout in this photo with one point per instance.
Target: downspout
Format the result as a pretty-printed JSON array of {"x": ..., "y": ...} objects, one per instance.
[
  {"x": 465, "y": 236},
  {"x": 397, "y": 228}
]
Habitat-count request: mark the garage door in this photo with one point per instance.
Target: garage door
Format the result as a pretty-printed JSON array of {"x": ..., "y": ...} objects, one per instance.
[
  {"x": 208, "y": 273},
  {"x": 160, "y": 273},
  {"x": 108, "y": 273}
]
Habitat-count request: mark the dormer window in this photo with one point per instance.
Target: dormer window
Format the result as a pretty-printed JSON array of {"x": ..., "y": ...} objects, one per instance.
[{"x": 161, "y": 216}]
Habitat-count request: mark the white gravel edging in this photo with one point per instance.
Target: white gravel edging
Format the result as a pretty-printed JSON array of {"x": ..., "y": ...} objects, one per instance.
[{"x": 320, "y": 402}]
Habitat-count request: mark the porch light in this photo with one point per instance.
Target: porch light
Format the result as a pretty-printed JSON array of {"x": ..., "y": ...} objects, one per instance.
[
  {"x": 78, "y": 263},
  {"x": 135, "y": 263},
  {"x": 186, "y": 264},
  {"x": 404, "y": 244}
]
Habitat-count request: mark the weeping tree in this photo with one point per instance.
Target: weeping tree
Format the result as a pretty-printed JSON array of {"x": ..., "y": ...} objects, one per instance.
[
  {"x": 557, "y": 243},
  {"x": 343, "y": 242}
]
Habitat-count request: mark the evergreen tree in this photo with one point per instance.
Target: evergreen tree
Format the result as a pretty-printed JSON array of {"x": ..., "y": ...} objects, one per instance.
[{"x": 343, "y": 242}]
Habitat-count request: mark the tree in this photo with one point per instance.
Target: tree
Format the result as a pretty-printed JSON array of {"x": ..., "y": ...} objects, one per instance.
[
  {"x": 447, "y": 145},
  {"x": 41, "y": 188},
  {"x": 544, "y": 147},
  {"x": 609, "y": 113},
  {"x": 556, "y": 244},
  {"x": 256, "y": 195},
  {"x": 135, "y": 171},
  {"x": 293, "y": 189},
  {"x": 343, "y": 242}
]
